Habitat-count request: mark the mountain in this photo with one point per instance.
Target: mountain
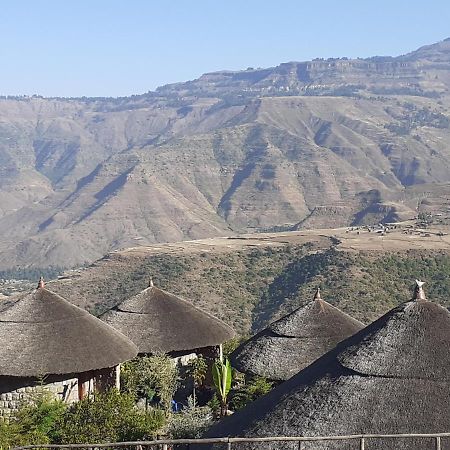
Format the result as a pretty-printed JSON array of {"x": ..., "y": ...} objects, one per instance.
[{"x": 323, "y": 143}]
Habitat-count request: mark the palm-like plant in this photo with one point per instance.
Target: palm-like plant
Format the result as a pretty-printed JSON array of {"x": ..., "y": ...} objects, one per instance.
[{"x": 222, "y": 381}]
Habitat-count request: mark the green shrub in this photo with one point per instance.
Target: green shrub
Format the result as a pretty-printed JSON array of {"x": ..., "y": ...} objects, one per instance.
[
  {"x": 196, "y": 370},
  {"x": 253, "y": 388},
  {"x": 190, "y": 423},
  {"x": 232, "y": 344},
  {"x": 214, "y": 405},
  {"x": 9, "y": 435},
  {"x": 109, "y": 417},
  {"x": 104, "y": 418},
  {"x": 153, "y": 378},
  {"x": 34, "y": 422}
]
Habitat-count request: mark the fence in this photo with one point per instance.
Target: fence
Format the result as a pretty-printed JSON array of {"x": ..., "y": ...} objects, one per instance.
[{"x": 229, "y": 441}]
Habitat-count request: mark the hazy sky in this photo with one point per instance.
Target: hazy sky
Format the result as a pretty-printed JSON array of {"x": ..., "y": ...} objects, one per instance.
[{"x": 115, "y": 48}]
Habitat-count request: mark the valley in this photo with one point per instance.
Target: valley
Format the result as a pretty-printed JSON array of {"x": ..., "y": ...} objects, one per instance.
[{"x": 319, "y": 144}]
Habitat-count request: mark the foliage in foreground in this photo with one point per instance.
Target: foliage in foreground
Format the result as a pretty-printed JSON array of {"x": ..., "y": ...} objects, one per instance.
[
  {"x": 191, "y": 422},
  {"x": 34, "y": 422},
  {"x": 109, "y": 417}
]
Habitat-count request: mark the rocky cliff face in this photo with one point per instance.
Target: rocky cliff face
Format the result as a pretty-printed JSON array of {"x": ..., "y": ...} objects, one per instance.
[{"x": 320, "y": 143}]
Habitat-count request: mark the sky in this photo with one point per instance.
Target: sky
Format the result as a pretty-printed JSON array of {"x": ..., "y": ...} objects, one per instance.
[{"x": 72, "y": 48}]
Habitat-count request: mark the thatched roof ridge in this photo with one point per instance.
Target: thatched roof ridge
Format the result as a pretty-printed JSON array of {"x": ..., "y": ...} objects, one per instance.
[
  {"x": 42, "y": 334},
  {"x": 413, "y": 342},
  {"x": 295, "y": 341},
  {"x": 343, "y": 393},
  {"x": 160, "y": 322}
]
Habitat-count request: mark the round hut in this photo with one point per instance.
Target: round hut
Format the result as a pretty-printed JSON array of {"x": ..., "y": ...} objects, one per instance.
[
  {"x": 392, "y": 377},
  {"x": 160, "y": 322},
  {"x": 295, "y": 341},
  {"x": 45, "y": 340}
]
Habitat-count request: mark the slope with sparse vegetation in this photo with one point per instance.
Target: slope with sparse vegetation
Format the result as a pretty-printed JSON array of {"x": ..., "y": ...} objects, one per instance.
[{"x": 307, "y": 145}]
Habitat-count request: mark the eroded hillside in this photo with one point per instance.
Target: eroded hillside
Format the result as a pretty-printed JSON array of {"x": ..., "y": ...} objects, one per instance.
[{"x": 303, "y": 145}]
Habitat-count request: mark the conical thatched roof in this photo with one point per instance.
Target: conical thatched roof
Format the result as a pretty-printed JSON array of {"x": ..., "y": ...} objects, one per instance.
[
  {"x": 391, "y": 377},
  {"x": 41, "y": 334},
  {"x": 288, "y": 345},
  {"x": 160, "y": 322}
]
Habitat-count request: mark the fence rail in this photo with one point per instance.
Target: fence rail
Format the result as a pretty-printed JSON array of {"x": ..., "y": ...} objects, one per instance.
[{"x": 165, "y": 443}]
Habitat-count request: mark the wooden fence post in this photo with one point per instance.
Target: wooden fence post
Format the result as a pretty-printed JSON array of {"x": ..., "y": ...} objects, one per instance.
[
  {"x": 363, "y": 444},
  {"x": 438, "y": 443}
]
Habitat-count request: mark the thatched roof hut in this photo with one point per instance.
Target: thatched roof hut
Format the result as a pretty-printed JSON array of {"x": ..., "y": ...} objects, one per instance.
[
  {"x": 391, "y": 377},
  {"x": 296, "y": 340},
  {"x": 47, "y": 340},
  {"x": 41, "y": 334},
  {"x": 160, "y": 322}
]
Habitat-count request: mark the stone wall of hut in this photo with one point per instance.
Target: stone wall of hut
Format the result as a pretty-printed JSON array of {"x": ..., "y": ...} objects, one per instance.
[{"x": 13, "y": 391}]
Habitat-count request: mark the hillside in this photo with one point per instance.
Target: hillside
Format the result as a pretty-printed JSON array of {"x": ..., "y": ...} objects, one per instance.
[
  {"x": 253, "y": 279},
  {"x": 301, "y": 145}
]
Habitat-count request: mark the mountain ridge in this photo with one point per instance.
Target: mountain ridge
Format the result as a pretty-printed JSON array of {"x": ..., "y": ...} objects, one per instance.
[
  {"x": 361, "y": 60},
  {"x": 319, "y": 144}
]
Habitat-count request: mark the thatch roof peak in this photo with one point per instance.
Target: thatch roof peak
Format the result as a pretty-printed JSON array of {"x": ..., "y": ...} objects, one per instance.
[
  {"x": 318, "y": 300},
  {"x": 158, "y": 321},
  {"x": 316, "y": 318},
  {"x": 419, "y": 293},
  {"x": 390, "y": 377},
  {"x": 42, "y": 333},
  {"x": 295, "y": 341},
  {"x": 410, "y": 341},
  {"x": 41, "y": 283},
  {"x": 317, "y": 295}
]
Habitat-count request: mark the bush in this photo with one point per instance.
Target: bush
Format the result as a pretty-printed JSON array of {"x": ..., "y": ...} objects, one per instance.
[
  {"x": 196, "y": 370},
  {"x": 232, "y": 344},
  {"x": 190, "y": 423},
  {"x": 110, "y": 417},
  {"x": 34, "y": 422},
  {"x": 253, "y": 388},
  {"x": 9, "y": 436},
  {"x": 153, "y": 378}
]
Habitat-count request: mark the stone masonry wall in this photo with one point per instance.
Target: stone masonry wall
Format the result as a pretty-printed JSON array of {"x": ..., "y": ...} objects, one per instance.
[{"x": 13, "y": 391}]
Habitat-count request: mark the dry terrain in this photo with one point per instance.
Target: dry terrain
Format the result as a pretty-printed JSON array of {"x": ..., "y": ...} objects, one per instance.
[{"x": 299, "y": 146}]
